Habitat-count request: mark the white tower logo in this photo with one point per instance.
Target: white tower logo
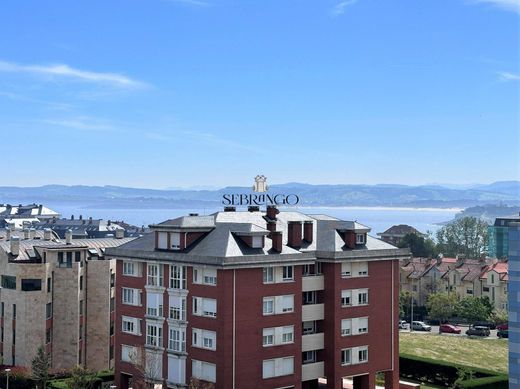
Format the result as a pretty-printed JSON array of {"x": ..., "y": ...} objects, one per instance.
[{"x": 260, "y": 185}]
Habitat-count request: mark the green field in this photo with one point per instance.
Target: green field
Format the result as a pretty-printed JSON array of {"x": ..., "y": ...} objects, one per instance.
[{"x": 488, "y": 354}]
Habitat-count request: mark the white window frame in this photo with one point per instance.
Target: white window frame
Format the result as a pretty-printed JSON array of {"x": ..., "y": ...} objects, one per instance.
[
  {"x": 268, "y": 275},
  {"x": 268, "y": 337},
  {"x": 204, "y": 370},
  {"x": 154, "y": 336},
  {"x": 268, "y": 306},
  {"x": 177, "y": 277},
  {"x": 175, "y": 240},
  {"x": 346, "y": 356},
  {"x": 131, "y": 296},
  {"x": 205, "y": 339},
  {"x": 205, "y": 275},
  {"x": 346, "y": 298},
  {"x": 133, "y": 266},
  {"x": 200, "y": 306},
  {"x": 177, "y": 339},
  {"x": 281, "y": 367},
  {"x": 177, "y": 306},
  {"x": 154, "y": 274},
  {"x": 362, "y": 351},
  {"x": 128, "y": 353},
  {"x": 360, "y": 238},
  {"x": 131, "y": 325},
  {"x": 287, "y": 273},
  {"x": 346, "y": 327},
  {"x": 154, "y": 304}
]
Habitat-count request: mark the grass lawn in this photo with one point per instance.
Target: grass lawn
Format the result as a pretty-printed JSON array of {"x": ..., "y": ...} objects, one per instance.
[{"x": 489, "y": 354}]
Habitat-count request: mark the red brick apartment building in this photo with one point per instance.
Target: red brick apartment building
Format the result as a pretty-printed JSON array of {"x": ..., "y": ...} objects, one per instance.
[{"x": 257, "y": 299}]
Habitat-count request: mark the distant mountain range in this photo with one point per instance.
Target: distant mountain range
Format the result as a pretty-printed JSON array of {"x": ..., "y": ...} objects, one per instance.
[{"x": 439, "y": 196}]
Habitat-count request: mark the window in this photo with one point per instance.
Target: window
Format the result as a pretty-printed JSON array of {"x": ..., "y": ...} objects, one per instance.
[
  {"x": 162, "y": 240},
  {"x": 346, "y": 356},
  {"x": 346, "y": 269},
  {"x": 363, "y": 354},
  {"x": 309, "y": 357},
  {"x": 112, "y": 304},
  {"x": 268, "y": 337},
  {"x": 176, "y": 369},
  {"x": 204, "y": 339},
  {"x": 277, "y": 335},
  {"x": 362, "y": 269},
  {"x": 131, "y": 296},
  {"x": 14, "y": 311},
  {"x": 67, "y": 262},
  {"x": 30, "y": 284},
  {"x": 154, "y": 335},
  {"x": 469, "y": 291},
  {"x": 154, "y": 275},
  {"x": 492, "y": 278},
  {"x": 131, "y": 325},
  {"x": 203, "y": 306},
  {"x": 48, "y": 335},
  {"x": 204, "y": 275},
  {"x": 360, "y": 238},
  {"x": 287, "y": 273},
  {"x": 277, "y": 367},
  {"x": 9, "y": 282},
  {"x": 268, "y": 275},
  {"x": 177, "y": 277},
  {"x": 128, "y": 353},
  {"x": 130, "y": 269},
  {"x": 308, "y": 327},
  {"x": 278, "y": 304},
  {"x": 154, "y": 304},
  {"x": 48, "y": 310},
  {"x": 204, "y": 370},
  {"x": 80, "y": 282},
  {"x": 362, "y": 325},
  {"x": 175, "y": 240},
  {"x": 177, "y": 308},
  {"x": 49, "y": 285},
  {"x": 363, "y": 297},
  {"x": 309, "y": 297},
  {"x": 2, "y": 308},
  {"x": 257, "y": 242},
  {"x": 354, "y": 269},
  {"x": 112, "y": 279},
  {"x": 268, "y": 305},
  {"x": 346, "y": 327},
  {"x": 485, "y": 289},
  {"x": 177, "y": 339},
  {"x": 81, "y": 307},
  {"x": 346, "y": 298},
  {"x": 77, "y": 256}
]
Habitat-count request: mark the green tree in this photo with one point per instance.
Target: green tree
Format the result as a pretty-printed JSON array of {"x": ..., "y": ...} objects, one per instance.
[
  {"x": 405, "y": 302},
  {"x": 418, "y": 245},
  {"x": 475, "y": 308},
  {"x": 40, "y": 367},
  {"x": 442, "y": 306},
  {"x": 81, "y": 378},
  {"x": 467, "y": 235},
  {"x": 499, "y": 316}
]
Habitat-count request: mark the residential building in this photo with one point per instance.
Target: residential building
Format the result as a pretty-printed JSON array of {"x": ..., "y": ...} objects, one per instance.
[
  {"x": 498, "y": 236},
  {"x": 514, "y": 306},
  {"x": 394, "y": 234},
  {"x": 257, "y": 300},
  {"x": 57, "y": 294},
  {"x": 20, "y": 214}
]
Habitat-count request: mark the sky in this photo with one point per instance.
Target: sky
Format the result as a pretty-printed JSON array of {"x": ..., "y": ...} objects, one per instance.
[{"x": 182, "y": 93}]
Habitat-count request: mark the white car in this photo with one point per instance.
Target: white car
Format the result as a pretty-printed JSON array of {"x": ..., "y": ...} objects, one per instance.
[
  {"x": 420, "y": 326},
  {"x": 404, "y": 325}
]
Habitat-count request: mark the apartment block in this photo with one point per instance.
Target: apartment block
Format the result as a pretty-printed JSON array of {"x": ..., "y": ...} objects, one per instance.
[
  {"x": 57, "y": 294},
  {"x": 256, "y": 299}
]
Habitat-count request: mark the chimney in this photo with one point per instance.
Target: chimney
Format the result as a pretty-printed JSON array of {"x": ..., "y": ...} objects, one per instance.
[
  {"x": 68, "y": 237},
  {"x": 40, "y": 207},
  {"x": 253, "y": 208},
  {"x": 26, "y": 233},
  {"x": 230, "y": 209},
  {"x": 271, "y": 225},
  {"x": 71, "y": 217},
  {"x": 276, "y": 238},
  {"x": 272, "y": 211},
  {"x": 120, "y": 233},
  {"x": 80, "y": 217},
  {"x": 47, "y": 234},
  {"x": 8, "y": 234},
  {"x": 109, "y": 222},
  {"x": 90, "y": 220},
  {"x": 307, "y": 231},
  {"x": 32, "y": 233},
  {"x": 294, "y": 237},
  {"x": 15, "y": 245}
]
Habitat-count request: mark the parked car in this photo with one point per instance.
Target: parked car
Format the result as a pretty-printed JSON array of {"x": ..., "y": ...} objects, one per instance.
[
  {"x": 404, "y": 325},
  {"x": 449, "y": 329},
  {"x": 478, "y": 331},
  {"x": 487, "y": 324},
  {"x": 420, "y": 326},
  {"x": 503, "y": 333},
  {"x": 503, "y": 326}
]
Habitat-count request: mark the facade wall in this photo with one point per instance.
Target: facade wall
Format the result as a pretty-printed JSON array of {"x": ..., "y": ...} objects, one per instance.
[{"x": 514, "y": 307}]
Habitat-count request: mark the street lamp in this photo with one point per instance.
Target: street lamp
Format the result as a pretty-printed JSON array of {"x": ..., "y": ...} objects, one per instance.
[{"x": 7, "y": 372}]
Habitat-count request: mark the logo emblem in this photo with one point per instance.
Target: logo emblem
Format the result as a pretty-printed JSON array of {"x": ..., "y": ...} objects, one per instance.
[{"x": 260, "y": 185}]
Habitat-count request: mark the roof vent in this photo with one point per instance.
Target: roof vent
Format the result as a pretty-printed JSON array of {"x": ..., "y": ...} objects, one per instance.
[
  {"x": 194, "y": 214},
  {"x": 230, "y": 209},
  {"x": 15, "y": 245},
  {"x": 253, "y": 208}
]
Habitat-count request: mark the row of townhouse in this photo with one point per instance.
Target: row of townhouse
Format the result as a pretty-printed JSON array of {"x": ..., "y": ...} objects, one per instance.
[
  {"x": 58, "y": 294},
  {"x": 256, "y": 299},
  {"x": 466, "y": 277}
]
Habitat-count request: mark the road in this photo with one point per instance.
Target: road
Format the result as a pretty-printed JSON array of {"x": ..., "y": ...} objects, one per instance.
[{"x": 435, "y": 330}]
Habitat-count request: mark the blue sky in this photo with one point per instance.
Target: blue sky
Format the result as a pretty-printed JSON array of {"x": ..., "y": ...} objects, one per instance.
[{"x": 177, "y": 93}]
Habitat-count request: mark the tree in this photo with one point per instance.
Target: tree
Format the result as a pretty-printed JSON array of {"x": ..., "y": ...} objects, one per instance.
[
  {"x": 467, "y": 235},
  {"x": 475, "y": 308},
  {"x": 40, "y": 367},
  {"x": 81, "y": 378},
  {"x": 499, "y": 316},
  {"x": 405, "y": 301},
  {"x": 194, "y": 383},
  {"x": 148, "y": 368},
  {"x": 418, "y": 245},
  {"x": 442, "y": 306}
]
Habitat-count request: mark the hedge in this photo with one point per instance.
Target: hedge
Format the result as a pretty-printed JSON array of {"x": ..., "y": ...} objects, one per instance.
[{"x": 445, "y": 373}]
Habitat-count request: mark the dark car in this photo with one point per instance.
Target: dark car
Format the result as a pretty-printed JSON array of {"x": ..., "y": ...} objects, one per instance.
[
  {"x": 503, "y": 333},
  {"x": 487, "y": 324},
  {"x": 449, "y": 329},
  {"x": 478, "y": 331},
  {"x": 503, "y": 326}
]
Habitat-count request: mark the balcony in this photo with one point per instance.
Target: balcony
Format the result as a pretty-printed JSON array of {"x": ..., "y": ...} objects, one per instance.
[
  {"x": 313, "y": 342},
  {"x": 313, "y": 312},
  {"x": 310, "y": 283},
  {"x": 312, "y": 371}
]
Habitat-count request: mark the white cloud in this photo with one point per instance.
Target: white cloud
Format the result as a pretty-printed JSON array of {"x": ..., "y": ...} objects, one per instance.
[
  {"x": 507, "y": 76},
  {"x": 508, "y": 5},
  {"x": 67, "y": 72},
  {"x": 81, "y": 123},
  {"x": 339, "y": 8}
]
